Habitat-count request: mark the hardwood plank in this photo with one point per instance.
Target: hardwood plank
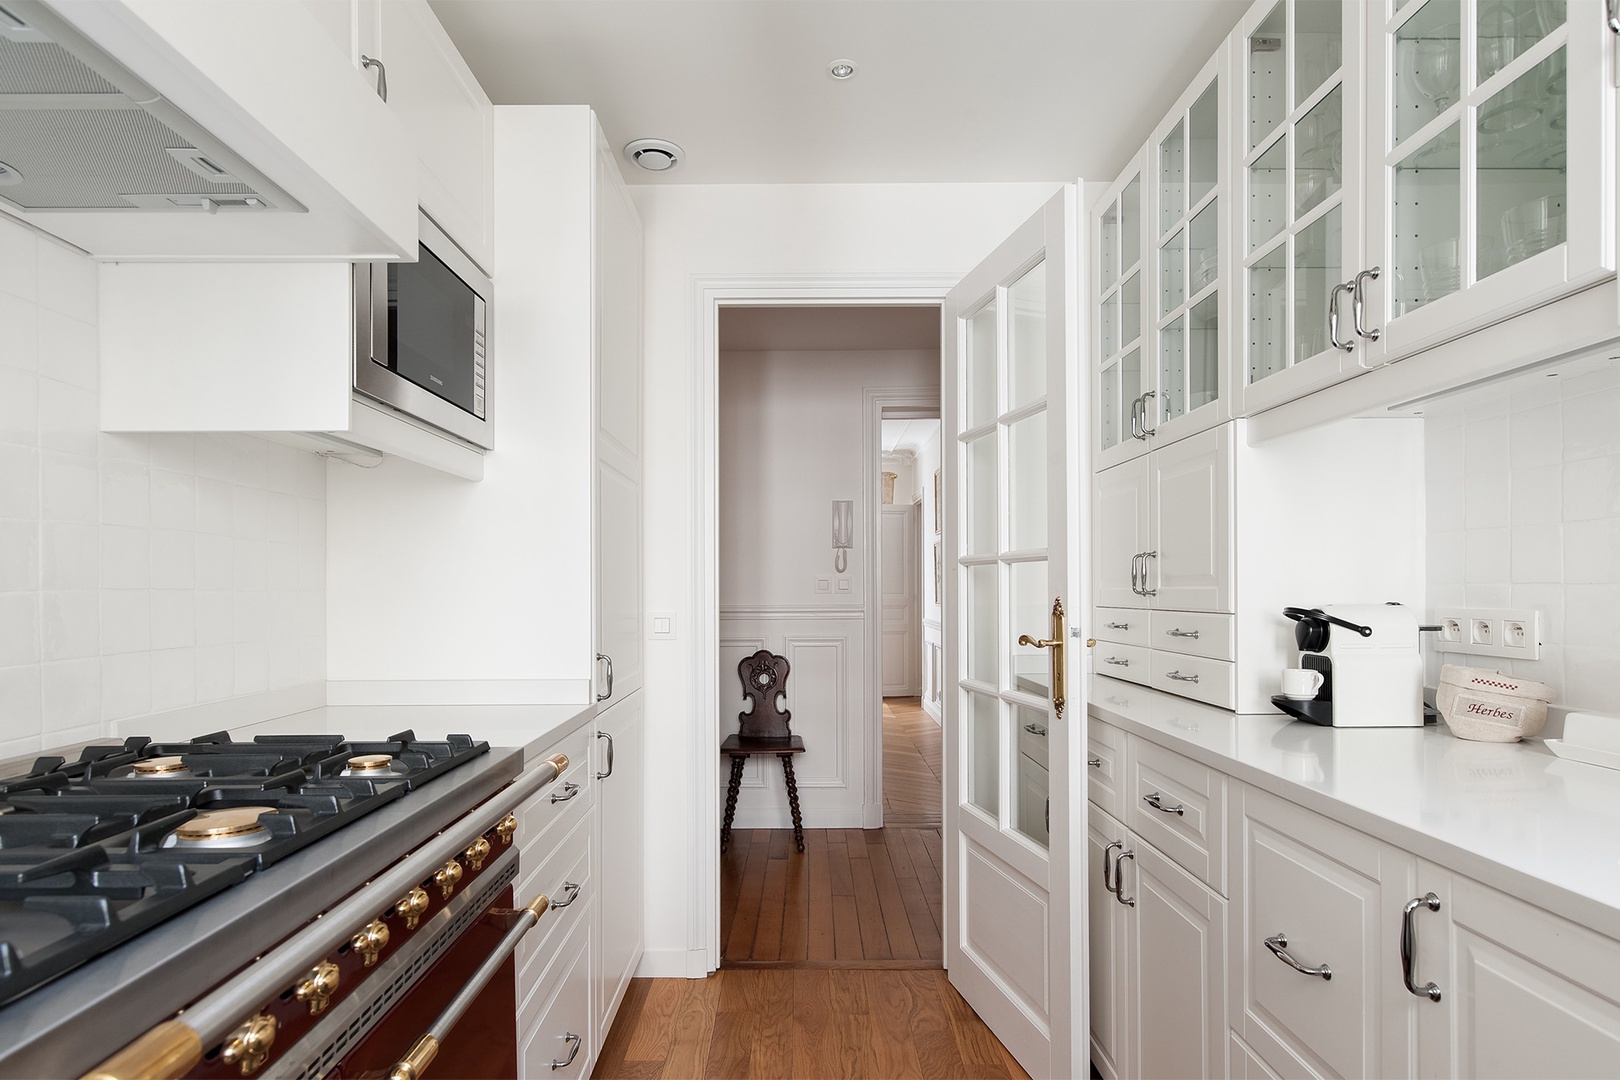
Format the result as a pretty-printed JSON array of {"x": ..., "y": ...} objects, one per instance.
[
  {"x": 930, "y": 1026},
  {"x": 838, "y": 867},
  {"x": 920, "y": 917},
  {"x": 650, "y": 1039},
  {"x": 856, "y": 839},
  {"x": 767, "y": 943},
  {"x": 772, "y": 1017},
  {"x": 630, "y": 1070},
  {"x": 846, "y": 929},
  {"x": 818, "y": 874},
  {"x": 928, "y": 879},
  {"x": 796, "y": 906},
  {"x": 869, "y": 909},
  {"x": 731, "y": 1044},
  {"x": 978, "y": 1046},
  {"x": 744, "y": 925},
  {"x": 612, "y": 1055},
  {"x": 830, "y": 1025},
  {"x": 896, "y": 923},
  {"x": 692, "y": 1028},
  {"x": 733, "y": 866},
  {"x": 889, "y": 1001}
]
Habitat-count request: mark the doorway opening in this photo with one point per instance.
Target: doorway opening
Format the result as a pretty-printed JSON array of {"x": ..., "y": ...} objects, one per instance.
[{"x": 803, "y": 393}]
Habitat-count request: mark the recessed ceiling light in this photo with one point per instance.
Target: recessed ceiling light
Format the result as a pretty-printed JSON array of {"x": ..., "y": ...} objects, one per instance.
[
  {"x": 654, "y": 155},
  {"x": 841, "y": 69}
]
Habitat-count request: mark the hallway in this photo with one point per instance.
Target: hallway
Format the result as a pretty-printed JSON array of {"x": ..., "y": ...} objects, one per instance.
[{"x": 912, "y": 772}]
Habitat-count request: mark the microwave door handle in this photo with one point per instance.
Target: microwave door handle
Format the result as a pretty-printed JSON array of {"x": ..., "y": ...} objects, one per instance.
[{"x": 379, "y": 313}]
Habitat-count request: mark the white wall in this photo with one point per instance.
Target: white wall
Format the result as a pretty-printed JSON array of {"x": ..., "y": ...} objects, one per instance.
[
  {"x": 1524, "y": 511},
  {"x": 933, "y": 640},
  {"x": 138, "y": 573},
  {"x": 791, "y": 443},
  {"x": 750, "y": 230}
]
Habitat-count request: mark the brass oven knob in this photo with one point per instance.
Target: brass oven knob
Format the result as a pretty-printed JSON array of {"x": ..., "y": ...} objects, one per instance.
[
  {"x": 477, "y": 853},
  {"x": 412, "y": 906},
  {"x": 506, "y": 828},
  {"x": 318, "y": 986},
  {"x": 446, "y": 877},
  {"x": 249, "y": 1045},
  {"x": 371, "y": 940}
]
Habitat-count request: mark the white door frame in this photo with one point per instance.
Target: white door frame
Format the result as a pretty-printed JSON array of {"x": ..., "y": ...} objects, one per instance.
[{"x": 709, "y": 295}]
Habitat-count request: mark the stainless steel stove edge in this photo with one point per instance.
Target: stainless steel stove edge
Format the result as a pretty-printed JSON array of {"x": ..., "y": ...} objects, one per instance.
[{"x": 72, "y": 1023}]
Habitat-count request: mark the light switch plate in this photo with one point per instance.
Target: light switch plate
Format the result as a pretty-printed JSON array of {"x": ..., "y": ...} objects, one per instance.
[{"x": 661, "y": 625}]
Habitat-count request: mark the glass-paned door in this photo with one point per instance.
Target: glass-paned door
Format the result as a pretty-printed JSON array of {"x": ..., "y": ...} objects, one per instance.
[
  {"x": 1121, "y": 281},
  {"x": 1301, "y": 192},
  {"x": 1186, "y": 262},
  {"x": 1014, "y": 795},
  {"x": 1488, "y": 181}
]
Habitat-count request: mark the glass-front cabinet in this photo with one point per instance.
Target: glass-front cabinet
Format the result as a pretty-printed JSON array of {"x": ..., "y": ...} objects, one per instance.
[
  {"x": 1300, "y": 183},
  {"x": 1489, "y": 177},
  {"x": 1118, "y": 232}
]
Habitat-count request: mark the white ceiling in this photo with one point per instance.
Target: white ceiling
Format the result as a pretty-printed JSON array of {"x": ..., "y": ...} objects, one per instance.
[
  {"x": 811, "y": 328},
  {"x": 907, "y": 434},
  {"x": 947, "y": 90}
]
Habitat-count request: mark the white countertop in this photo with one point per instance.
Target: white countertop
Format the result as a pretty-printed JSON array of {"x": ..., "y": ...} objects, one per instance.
[{"x": 1508, "y": 814}]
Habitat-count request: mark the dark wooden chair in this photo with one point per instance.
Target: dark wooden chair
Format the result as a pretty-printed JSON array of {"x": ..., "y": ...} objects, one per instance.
[{"x": 764, "y": 731}]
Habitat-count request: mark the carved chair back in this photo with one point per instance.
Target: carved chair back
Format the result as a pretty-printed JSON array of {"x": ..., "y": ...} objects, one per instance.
[{"x": 764, "y": 679}]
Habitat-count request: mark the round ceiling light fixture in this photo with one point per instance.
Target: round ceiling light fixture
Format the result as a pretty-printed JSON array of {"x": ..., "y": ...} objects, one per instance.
[
  {"x": 9, "y": 177},
  {"x": 654, "y": 155},
  {"x": 841, "y": 70}
]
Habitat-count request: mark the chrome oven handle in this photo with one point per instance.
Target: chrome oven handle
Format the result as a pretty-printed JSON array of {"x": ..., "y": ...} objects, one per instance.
[
  {"x": 425, "y": 1048},
  {"x": 573, "y": 1042}
]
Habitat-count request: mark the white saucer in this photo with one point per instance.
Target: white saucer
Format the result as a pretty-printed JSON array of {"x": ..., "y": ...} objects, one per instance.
[{"x": 1299, "y": 697}]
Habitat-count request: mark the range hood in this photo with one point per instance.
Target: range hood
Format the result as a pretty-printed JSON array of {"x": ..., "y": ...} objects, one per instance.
[{"x": 80, "y": 132}]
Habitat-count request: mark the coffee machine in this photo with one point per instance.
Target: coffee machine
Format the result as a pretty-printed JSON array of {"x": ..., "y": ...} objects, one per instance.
[{"x": 1372, "y": 669}]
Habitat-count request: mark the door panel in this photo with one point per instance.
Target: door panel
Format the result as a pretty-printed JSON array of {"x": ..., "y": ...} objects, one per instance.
[{"x": 898, "y": 548}]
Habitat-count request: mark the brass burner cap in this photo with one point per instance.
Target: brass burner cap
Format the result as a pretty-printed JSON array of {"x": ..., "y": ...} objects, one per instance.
[
  {"x": 158, "y": 766},
  {"x": 369, "y": 762},
  {"x": 218, "y": 824}
]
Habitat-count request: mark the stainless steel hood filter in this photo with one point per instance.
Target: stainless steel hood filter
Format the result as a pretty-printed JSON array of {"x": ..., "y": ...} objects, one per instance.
[{"x": 78, "y": 131}]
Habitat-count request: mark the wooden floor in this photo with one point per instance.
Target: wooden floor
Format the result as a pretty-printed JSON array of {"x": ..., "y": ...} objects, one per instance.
[
  {"x": 804, "y": 1023},
  {"x": 911, "y": 764}
]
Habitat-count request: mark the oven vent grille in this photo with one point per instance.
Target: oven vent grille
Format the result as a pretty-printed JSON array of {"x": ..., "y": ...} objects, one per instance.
[{"x": 382, "y": 998}]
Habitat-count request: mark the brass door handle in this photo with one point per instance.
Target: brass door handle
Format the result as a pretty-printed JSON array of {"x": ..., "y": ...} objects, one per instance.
[
  {"x": 1025, "y": 639},
  {"x": 1059, "y": 632}
]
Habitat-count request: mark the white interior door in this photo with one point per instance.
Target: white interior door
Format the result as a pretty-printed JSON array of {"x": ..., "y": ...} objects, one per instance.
[
  {"x": 1015, "y": 911},
  {"x": 901, "y": 624}
]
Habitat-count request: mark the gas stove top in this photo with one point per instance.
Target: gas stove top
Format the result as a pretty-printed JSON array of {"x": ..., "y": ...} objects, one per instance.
[{"x": 92, "y": 852}]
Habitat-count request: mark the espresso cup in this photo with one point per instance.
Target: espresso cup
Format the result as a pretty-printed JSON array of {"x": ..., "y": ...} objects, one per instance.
[{"x": 1301, "y": 684}]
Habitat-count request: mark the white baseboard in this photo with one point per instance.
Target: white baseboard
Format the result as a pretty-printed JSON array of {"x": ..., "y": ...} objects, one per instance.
[
  {"x": 236, "y": 712},
  {"x": 933, "y": 711},
  {"x": 841, "y": 818},
  {"x": 458, "y": 692},
  {"x": 673, "y": 964}
]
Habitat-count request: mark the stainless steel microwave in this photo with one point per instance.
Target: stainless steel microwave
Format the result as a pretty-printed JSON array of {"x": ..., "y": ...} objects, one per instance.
[{"x": 421, "y": 335}]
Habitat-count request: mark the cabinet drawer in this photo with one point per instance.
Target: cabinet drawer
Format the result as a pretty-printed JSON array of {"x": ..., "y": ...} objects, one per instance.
[
  {"x": 1032, "y": 737},
  {"x": 555, "y": 873},
  {"x": 556, "y": 1020},
  {"x": 564, "y": 799},
  {"x": 1211, "y": 681},
  {"x": 1189, "y": 822},
  {"x": 1194, "y": 633},
  {"x": 1105, "y": 771},
  {"x": 1129, "y": 662},
  {"x": 1126, "y": 626}
]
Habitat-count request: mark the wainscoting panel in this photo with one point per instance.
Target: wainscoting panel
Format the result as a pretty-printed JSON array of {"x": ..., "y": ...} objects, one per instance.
[{"x": 825, "y": 694}]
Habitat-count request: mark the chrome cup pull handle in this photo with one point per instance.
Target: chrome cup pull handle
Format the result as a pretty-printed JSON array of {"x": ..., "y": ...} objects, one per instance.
[
  {"x": 609, "y": 738},
  {"x": 1146, "y": 555},
  {"x": 1155, "y": 800},
  {"x": 570, "y": 894},
  {"x": 1333, "y": 317},
  {"x": 570, "y": 789},
  {"x": 1116, "y": 661},
  {"x": 1119, "y": 879},
  {"x": 600, "y": 657},
  {"x": 1106, "y": 868},
  {"x": 1278, "y": 944},
  {"x": 1409, "y": 946},
  {"x": 1118, "y": 625},
  {"x": 1179, "y": 677},
  {"x": 1178, "y": 632},
  {"x": 1357, "y": 303},
  {"x": 573, "y": 1042},
  {"x": 1148, "y": 432}
]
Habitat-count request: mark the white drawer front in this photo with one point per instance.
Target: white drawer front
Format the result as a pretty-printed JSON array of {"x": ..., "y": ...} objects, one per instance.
[
  {"x": 556, "y": 874},
  {"x": 560, "y": 1008},
  {"x": 565, "y": 798},
  {"x": 1194, "y": 633},
  {"x": 1105, "y": 767},
  {"x": 1179, "y": 806},
  {"x": 1127, "y": 626},
  {"x": 1129, "y": 662},
  {"x": 1211, "y": 681}
]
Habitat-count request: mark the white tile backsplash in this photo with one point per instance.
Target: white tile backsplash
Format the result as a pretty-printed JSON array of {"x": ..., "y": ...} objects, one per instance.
[
  {"x": 138, "y": 573},
  {"x": 1524, "y": 511}
]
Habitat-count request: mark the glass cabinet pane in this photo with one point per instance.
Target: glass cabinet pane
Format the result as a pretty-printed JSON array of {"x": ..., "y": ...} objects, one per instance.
[
  {"x": 1108, "y": 246},
  {"x": 1026, "y": 329},
  {"x": 1318, "y": 140},
  {"x": 1268, "y": 193},
  {"x": 982, "y": 662},
  {"x": 1203, "y": 246},
  {"x": 1203, "y": 352},
  {"x": 984, "y": 770},
  {"x": 1031, "y": 811},
  {"x": 1130, "y": 224},
  {"x": 1317, "y": 269},
  {"x": 1268, "y": 314},
  {"x": 1031, "y": 614},
  {"x": 981, "y": 495},
  {"x": 1173, "y": 370},
  {"x": 1130, "y": 379},
  {"x": 1428, "y": 222},
  {"x": 1428, "y": 65},
  {"x": 1172, "y": 274},
  {"x": 1130, "y": 309},
  {"x": 1318, "y": 45},
  {"x": 1268, "y": 75},
  {"x": 981, "y": 366},
  {"x": 1523, "y": 147},
  {"x": 1507, "y": 28},
  {"x": 1172, "y": 178},
  {"x": 1110, "y": 324},
  {"x": 1026, "y": 482},
  {"x": 1203, "y": 142},
  {"x": 1110, "y": 408}
]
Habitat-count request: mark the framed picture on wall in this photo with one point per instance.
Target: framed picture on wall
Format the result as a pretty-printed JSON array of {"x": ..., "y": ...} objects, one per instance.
[
  {"x": 939, "y": 571},
  {"x": 937, "y": 519}
]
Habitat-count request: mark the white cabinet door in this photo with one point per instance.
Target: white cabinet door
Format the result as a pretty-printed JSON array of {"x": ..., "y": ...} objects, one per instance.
[
  {"x": 1110, "y": 996},
  {"x": 1189, "y": 563},
  {"x": 621, "y": 776},
  {"x": 1120, "y": 238},
  {"x": 1490, "y": 171},
  {"x": 1176, "y": 950},
  {"x": 1120, "y": 501}
]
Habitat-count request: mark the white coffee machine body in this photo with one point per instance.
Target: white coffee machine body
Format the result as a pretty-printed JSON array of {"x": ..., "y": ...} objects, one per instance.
[{"x": 1376, "y": 680}]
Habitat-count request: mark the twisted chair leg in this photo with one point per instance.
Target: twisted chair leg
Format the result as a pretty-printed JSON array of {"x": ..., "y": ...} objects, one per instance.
[
  {"x": 793, "y": 799},
  {"x": 731, "y": 801}
]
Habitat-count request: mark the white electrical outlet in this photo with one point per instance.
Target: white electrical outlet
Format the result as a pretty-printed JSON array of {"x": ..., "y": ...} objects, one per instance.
[{"x": 1489, "y": 632}]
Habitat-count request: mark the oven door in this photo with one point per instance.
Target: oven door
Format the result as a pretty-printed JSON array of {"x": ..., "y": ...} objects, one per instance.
[{"x": 422, "y": 337}]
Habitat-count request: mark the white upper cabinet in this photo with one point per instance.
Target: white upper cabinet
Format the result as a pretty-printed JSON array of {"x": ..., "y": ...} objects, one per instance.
[
  {"x": 1299, "y": 194},
  {"x": 257, "y": 84},
  {"x": 1489, "y": 172},
  {"x": 1119, "y": 231}
]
